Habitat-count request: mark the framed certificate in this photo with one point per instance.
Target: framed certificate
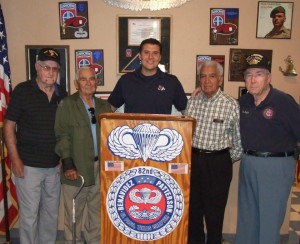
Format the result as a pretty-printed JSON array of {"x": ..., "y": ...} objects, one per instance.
[
  {"x": 140, "y": 29},
  {"x": 132, "y": 31}
]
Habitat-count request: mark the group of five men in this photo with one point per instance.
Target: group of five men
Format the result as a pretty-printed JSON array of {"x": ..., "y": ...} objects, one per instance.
[{"x": 48, "y": 134}]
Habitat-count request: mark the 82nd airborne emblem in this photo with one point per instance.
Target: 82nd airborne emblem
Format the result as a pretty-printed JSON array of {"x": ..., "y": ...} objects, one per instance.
[{"x": 145, "y": 203}]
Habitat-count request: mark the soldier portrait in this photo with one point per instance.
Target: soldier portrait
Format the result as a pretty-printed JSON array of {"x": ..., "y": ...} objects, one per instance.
[{"x": 274, "y": 20}]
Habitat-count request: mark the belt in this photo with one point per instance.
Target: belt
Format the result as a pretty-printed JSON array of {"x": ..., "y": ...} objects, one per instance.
[
  {"x": 268, "y": 154},
  {"x": 96, "y": 158},
  {"x": 203, "y": 152}
]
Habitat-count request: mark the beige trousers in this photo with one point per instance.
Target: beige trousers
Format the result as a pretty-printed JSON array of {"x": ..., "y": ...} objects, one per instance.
[{"x": 89, "y": 198}]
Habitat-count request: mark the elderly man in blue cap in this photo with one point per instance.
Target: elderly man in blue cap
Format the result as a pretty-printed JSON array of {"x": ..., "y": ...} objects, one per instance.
[{"x": 270, "y": 132}]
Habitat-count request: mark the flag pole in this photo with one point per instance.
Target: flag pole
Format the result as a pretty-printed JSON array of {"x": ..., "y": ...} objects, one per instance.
[{"x": 4, "y": 189}]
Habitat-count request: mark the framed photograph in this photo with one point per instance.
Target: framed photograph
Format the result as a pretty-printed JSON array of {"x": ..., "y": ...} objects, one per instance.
[
  {"x": 200, "y": 59},
  {"x": 31, "y": 53},
  {"x": 132, "y": 31},
  {"x": 237, "y": 59},
  {"x": 242, "y": 91},
  {"x": 274, "y": 20},
  {"x": 93, "y": 58},
  {"x": 73, "y": 20},
  {"x": 224, "y": 26}
]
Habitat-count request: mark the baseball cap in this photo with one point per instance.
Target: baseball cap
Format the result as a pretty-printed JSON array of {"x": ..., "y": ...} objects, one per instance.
[
  {"x": 46, "y": 54},
  {"x": 257, "y": 61}
]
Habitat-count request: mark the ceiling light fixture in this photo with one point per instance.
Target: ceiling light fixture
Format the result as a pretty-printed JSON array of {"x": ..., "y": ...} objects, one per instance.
[{"x": 139, "y": 5}]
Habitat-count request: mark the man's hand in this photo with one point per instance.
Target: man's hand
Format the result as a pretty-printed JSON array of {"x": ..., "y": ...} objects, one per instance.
[
  {"x": 196, "y": 92},
  {"x": 71, "y": 174},
  {"x": 17, "y": 167}
]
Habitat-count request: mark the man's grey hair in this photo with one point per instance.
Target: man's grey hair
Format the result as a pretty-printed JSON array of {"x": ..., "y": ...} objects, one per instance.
[
  {"x": 82, "y": 68},
  {"x": 218, "y": 66}
]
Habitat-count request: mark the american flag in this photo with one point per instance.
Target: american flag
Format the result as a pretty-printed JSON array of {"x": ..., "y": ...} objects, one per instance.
[
  {"x": 178, "y": 168},
  {"x": 114, "y": 166},
  {"x": 5, "y": 89}
]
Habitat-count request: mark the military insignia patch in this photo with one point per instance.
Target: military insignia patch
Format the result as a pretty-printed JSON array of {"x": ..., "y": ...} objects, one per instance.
[{"x": 145, "y": 203}]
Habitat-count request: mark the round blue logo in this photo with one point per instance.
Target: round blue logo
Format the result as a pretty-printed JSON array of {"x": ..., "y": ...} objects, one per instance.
[{"x": 145, "y": 203}]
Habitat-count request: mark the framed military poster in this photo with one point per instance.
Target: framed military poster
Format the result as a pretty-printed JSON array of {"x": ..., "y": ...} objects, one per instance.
[{"x": 274, "y": 20}]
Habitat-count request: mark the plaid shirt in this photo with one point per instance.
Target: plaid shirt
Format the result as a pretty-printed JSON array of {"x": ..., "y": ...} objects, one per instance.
[{"x": 217, "y": 125}]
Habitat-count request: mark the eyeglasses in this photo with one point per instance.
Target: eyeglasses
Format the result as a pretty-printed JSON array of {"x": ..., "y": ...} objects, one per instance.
[
  {"x": 92, "y": 111},
  {"x": 47, "y": 68}
]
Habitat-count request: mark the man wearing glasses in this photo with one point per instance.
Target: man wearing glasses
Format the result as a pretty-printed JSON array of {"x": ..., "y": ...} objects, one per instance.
[
  {"x": 77, "y": 130},
  {"x": 270, "y": 131},
  {"x": 30, "y": 139}
]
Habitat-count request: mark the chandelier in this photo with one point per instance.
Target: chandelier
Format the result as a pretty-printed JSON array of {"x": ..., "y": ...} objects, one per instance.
[{"x": 153, "y": 5}]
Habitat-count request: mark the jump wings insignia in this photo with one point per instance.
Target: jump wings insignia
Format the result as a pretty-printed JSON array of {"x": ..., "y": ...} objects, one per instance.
[{"x": 145, "y": 141}]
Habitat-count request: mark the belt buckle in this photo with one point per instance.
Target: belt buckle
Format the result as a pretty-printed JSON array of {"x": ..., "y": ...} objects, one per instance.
[{"x": 266, "y": 154}]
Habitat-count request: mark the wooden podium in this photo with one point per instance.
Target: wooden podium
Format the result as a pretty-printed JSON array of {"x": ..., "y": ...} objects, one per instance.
[{"x": 145, "y": 178}]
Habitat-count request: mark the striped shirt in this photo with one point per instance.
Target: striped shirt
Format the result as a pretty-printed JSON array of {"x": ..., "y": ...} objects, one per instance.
[
  {"x": 34, "y": 115},
  {"x": 217, "y": 123}
]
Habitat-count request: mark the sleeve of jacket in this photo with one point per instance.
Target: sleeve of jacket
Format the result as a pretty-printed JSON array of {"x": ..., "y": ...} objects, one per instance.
[{"x": 63, "y": 137}]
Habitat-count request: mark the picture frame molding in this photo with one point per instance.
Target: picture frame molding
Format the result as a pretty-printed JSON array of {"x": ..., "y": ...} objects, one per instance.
[{"x": 264, "y": 22}]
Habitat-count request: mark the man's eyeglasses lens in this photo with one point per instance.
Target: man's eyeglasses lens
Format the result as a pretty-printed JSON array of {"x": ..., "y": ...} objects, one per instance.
[
  {"x": 47, "y": 68},
  {"x": 92, "y": 111}
]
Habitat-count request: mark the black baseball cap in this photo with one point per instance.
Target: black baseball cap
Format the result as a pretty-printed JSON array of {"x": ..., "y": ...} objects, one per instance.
[
  {"x": 46, "y": 54},
  {"x": 257, "y": 60}
]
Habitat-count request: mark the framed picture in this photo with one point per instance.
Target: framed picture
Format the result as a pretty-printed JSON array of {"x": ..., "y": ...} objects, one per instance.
[
  {"x": 237, "y": 59},
  {"x": 274, "y": 20},
  {"x": 242, "y": 91},
  {"x": 31, "y": 53},
  {"x": 224, "y": 26},
  {"x": 73, "y": 20},
  {"x": 93, "y": 58},
  {"x": 132, "y": 31},
  {"x": 200, "y": 59}
]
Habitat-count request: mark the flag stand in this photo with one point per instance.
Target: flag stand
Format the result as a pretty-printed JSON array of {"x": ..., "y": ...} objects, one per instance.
[{"x": 4, "y": 189}]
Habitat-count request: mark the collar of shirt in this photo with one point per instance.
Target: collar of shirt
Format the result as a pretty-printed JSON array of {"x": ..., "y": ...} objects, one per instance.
[{"x": 203, "y": 98}]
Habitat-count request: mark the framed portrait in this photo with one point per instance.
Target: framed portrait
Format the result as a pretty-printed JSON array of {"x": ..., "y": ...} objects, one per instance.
[
  {"x": 73, "y": 20},
  {"x": 274, "y": 20},
  {"x": 132, "y": 31},
  {"x": 242, "y": 91},
  {"x": 224, "y": 26},
  {"x": 200, "y": 59},
  {"x": 237, "y": 61},
  {"x": 31, "y": 53},
  {"x": 93, "y": 58}
]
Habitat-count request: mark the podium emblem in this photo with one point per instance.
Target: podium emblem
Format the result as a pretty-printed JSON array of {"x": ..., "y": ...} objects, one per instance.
[
  {"x": 145, "y": 141},
  {"x": 145, "y": 203}
]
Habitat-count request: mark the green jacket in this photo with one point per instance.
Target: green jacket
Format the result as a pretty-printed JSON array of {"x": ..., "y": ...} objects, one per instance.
[{"x": 74, "y": 140}]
